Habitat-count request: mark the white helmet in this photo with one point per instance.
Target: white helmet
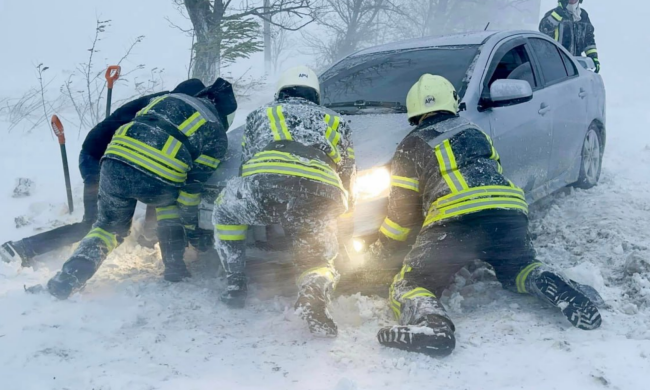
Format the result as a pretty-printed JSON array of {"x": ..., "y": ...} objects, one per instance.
[
  {"x": 300, "y": 76},
  {"x": 431, "y": 94}
]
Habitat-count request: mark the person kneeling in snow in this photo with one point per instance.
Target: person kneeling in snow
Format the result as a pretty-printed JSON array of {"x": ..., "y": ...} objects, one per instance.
[
  {"x": 92, "y": 151},
  {"x": 447, "y": 185},
  {"x": 298, "y": 167},
  {"x": 161, "y": 158}
]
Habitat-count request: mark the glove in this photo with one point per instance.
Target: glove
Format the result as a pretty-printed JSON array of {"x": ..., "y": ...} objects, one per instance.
[
  {"x": 597, "y": 63},
  {"x": 202, "y": 240}
]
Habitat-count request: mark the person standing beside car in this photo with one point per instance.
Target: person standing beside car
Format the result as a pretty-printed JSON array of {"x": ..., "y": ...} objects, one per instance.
[
  {"x": 447, "y": 188},
  {"x": 570, "y": 25}
]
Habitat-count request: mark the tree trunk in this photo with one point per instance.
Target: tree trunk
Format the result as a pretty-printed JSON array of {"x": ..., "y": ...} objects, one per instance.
[{"x": 206, "y": 19}]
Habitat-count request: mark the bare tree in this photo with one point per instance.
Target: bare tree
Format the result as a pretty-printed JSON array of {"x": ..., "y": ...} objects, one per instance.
[
  {"x": 226, "y": 32},
  {"x": 349, "y": 23},
  {"x": 421, "y": 18}
]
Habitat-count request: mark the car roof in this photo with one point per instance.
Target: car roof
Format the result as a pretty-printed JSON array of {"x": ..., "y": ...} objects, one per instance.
[{"x": 470, "y": 38}]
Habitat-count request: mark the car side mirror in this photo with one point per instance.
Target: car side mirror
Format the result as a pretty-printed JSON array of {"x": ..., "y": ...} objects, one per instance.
[{"x": 505, "y": 93}]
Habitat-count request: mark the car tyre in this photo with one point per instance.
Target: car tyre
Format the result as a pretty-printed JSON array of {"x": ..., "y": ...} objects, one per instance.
[{"x": 592, "y": 159}]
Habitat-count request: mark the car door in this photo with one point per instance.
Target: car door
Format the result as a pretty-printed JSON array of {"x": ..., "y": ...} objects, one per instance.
[
  {"x": 522, "y": 132},
  {"x": 568, "y": 98}
]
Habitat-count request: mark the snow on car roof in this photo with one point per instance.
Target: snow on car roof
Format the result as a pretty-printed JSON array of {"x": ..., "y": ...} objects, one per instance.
[{"x": 475, "y": 38}]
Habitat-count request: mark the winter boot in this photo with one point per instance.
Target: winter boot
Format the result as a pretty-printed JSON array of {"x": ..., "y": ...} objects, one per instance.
[
  {"x": 71, "y": 278},
  {"x": 561, "y": 293},
  {"x": 433, "y": 336},
  {"x": 311, "y": 306},
  {"x": 236, "y": 291},
  {"x": 172, "y": 248},
  {"x": 14, "y": 251}
]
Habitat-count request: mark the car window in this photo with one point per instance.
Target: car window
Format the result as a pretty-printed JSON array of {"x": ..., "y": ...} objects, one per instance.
[
  {"x": 568, "y": 65},
  {"x": 514, "y": 65},
  {"x": 388, "y": 76},
  {"x": 550, "y": 60}
]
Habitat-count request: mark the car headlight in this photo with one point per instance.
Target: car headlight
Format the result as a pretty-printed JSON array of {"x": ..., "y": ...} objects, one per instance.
[{"x": 373, "y": 183}]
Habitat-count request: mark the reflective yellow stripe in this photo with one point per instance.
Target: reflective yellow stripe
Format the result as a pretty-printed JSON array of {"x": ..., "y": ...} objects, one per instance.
[
  {"x": 556, "y": 16},
  {"x": 395, "y": 305},
  {"x": 313, "y": 172},
  {"x": 282, "y": 156},
  {"x": 192, "y": 124},
  {"x": 557, "y": 34},
  {"x": 190, "y": 227},
  {"x": 472, "y": 206},
  {"x": 333, "y": 137},
  {"x": 351, "y": 153},
  {"x": 274, "y": 127},
  {"x": 187, "y": 199},
  {"x": 147, "y": 163},
  {"x": 231, "y": 232},
  {"x": 283, "y": 124},
  {"x": 418, "y": 292},
  {"x": 208, "y": 161},
  {"x": 169, "y": 212},
  {"x": 449, "y": 167},
  {"x": 393, "y": 230},
  {"x": 172, "y": 146},
  {"x": 405, "y": 182},
  {"x": 109, "y": 239},
  {"x": 523, "y": 275},
  {"x": 153, "y": 103},
  {"x": 123, "y": 129},
  {"x": 592, "y": 51},
  {"x": 478, "y": 192},
  {"x": 151, "y": 152},
  {"x": 326, "y": 272}
]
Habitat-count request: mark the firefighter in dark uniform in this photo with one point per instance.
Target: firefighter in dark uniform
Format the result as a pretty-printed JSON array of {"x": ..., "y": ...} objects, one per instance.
[
  {"x": 161, "y": 158},
  {"x": 570, "y": 25},
  {"x": 92, "y": 151},
  {"x": 298, "y": 169},
  {"x": 447, "y": 189}
]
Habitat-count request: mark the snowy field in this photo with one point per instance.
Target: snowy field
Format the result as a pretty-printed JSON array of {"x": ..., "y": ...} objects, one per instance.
[{"x": 130, "y": 330}]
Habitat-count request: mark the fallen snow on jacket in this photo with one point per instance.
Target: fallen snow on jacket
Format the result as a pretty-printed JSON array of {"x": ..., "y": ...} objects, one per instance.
[{"x": 312, "y": 126}]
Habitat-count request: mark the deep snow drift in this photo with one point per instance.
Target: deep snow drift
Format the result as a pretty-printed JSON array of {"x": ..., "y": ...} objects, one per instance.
[{"x": 130, "y": 330}]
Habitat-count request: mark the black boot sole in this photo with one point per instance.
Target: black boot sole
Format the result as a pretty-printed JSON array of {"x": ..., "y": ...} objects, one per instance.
[
  {"x": 421, "y": 339},
  {"x": 317, "y": 316},
  {"x": 576, "y": 307}
]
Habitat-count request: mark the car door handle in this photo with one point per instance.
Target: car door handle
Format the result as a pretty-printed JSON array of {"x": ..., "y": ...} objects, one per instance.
[
  {"x": 544, "y": 109},
  {"x": 583, "y": 93}
]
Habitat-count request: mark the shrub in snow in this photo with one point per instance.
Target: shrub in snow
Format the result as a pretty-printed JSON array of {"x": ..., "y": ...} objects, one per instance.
[{"x": 24, "y": 188}]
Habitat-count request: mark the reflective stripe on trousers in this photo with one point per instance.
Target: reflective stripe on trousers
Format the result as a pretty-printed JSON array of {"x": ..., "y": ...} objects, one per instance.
[
  {"x": 231, "y": 232},
  {"x": 109, "y": 239},
  {"x": 393, "y": 230},
  {"x": 169, "y": 212}
]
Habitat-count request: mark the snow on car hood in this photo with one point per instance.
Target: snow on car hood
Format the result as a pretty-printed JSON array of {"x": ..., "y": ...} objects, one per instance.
[{"x": 375, "y": 139}]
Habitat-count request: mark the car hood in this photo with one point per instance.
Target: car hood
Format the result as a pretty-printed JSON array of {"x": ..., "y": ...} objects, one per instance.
[{"x": 375, "y": 139}]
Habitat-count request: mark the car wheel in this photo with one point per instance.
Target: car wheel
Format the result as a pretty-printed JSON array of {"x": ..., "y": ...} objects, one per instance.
[{"x": 592, "y": 160}]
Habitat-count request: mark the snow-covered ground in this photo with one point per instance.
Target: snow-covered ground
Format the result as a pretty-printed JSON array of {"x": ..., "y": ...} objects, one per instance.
[{"x": 130, "y": 330}]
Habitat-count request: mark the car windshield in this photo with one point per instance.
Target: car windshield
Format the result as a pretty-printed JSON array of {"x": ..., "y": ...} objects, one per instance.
[{"x": 382, "y": 80}]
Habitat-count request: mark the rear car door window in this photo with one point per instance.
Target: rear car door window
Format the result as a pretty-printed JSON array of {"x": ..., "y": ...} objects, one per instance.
[
  {"x": 515, "y": 65},
  {"x": 550, "y": 61},
  {"x": 568, "y": 65}
]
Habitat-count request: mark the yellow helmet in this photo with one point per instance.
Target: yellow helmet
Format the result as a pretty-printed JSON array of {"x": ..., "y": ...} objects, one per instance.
[{"x": 431, "y": 94}]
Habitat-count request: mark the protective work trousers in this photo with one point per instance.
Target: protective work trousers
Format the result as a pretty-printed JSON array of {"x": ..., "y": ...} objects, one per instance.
[
  {"x": 309, "y": 220},
  {"x": 120, "y": 188},
  {"x": 497, "y": 237}
]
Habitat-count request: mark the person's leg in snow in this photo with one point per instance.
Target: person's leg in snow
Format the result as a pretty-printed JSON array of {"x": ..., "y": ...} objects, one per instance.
[
  {"x": 509, "y": 249},
  {"x": 315, "y": 247},
  {"x": 424, "y": 326},
  {"x": 120, "y": 188},
  {"x": 112, "y": 226}
]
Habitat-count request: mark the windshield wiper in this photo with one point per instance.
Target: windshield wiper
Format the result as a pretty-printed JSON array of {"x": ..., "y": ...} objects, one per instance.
[{"x": 356, "y": 106}]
